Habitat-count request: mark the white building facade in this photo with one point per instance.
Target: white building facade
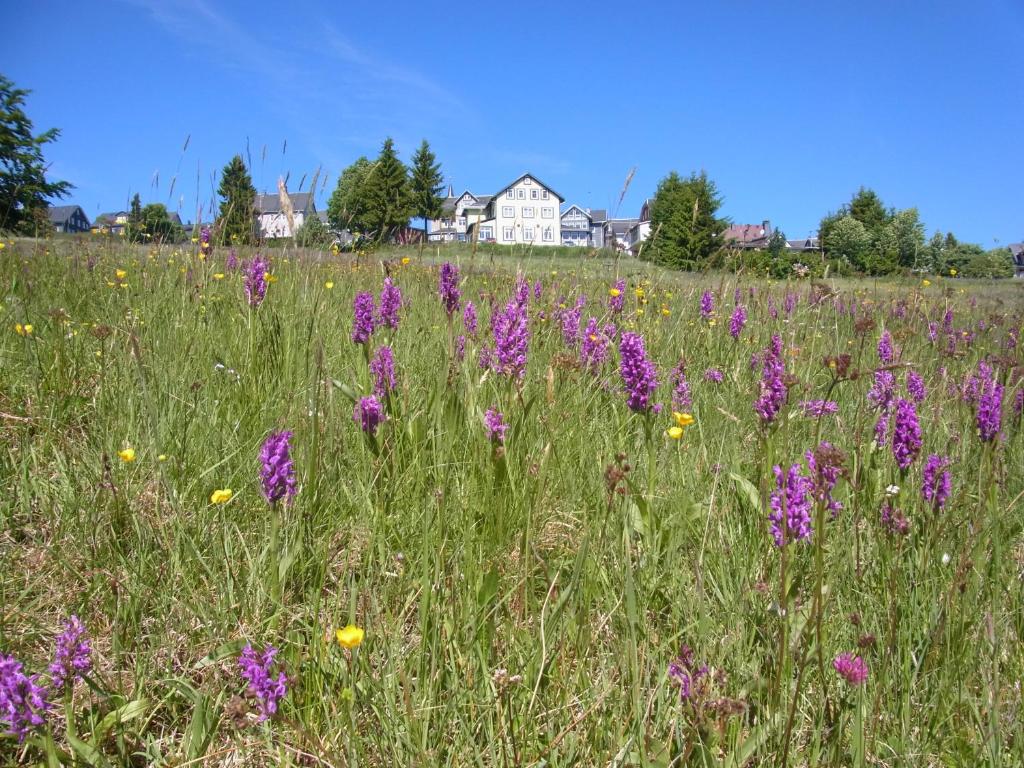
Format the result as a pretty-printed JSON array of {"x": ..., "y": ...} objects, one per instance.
[
  {"x": 526, "y": 212},
  {"x": 273, "y": 221}
]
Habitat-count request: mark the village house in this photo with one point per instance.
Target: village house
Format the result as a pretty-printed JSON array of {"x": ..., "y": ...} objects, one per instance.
[
  {"x": 68, "y": 218},
  {"x": 110, "y": 223},
  {"x": 273, "y": 222},
  {"x": 524, "y": 212},
  {"x": 748, "y": 236},
  {"x": 809, "y": 243},
  {"x": 1017, "y": 252},
  {"x": 617, "y": 233},
  {"x": 453, "y": 223},
  {"x": 583, "y": 226}
]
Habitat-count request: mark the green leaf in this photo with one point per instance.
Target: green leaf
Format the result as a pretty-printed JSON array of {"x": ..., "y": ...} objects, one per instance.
[
  {"x": 87, "y": 752},
  {"x": 129, "y": 711},
  {"x": 747, "y": 491}
]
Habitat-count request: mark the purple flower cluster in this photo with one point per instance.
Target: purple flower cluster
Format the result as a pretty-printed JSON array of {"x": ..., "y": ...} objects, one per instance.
[
  {"x": 883, "y": 391},
  {"x": 714, "y": 375},
  {"x": 915, "y": 386},
  {"x": 571, "y": 323},
  {"x": 495, "y": 425},
  {"x": 773, "y": 383},
  {"x": 511, "y": 338},
  {"x": 686, "y": 673},
  {"x": 369, "y": 414},
  {"x": 853, "y": 669},
  {"x": 615, "y": 303},
  {"x": 390, "y": 305},
  {"x": 205, "y": 246},
  {"x": 448, "y": 288},
  {"x": 737, "y": 321},
  {"x": 893, "y": 520},
  {"x": 906, "y": 436},
  {"x": 266, "y": 687},
  {"x": 256, "y": 281},
  {"x": 382, "y": 367},
  {"x": 990, "y": 409},
  {"x": 885, "y": 351},
  {"x": 707, "y": 305},
  {"x": 639, "y": 376},
  {"x": 469, "y": 318},
  {"x": 23, "y": 702},
  {"x": 882, "y": 429},
  {"x": 936, "y": 484},
  {"x": 231, "y": 263},
  {"x": 790, "y": 518},
  {"x": 818, "y": 408},
  {"x": 825, "y": 466},
  {"x": 277, "y": 473},
  {"x": 789, "y": 303},
  {"x": 681, "y": 398},
  {"x": 72, "y": 657},
  {"x": 595, "y": 346},
  {"x": 362, "y": 317}
]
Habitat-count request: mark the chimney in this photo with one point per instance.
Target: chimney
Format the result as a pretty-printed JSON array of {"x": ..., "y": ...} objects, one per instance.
[{"x": 767, "y": 227}]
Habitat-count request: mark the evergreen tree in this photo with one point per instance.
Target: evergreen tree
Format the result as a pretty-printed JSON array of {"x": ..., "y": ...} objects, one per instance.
[
  {"x": 427, "y": 183},
  {"x": 24, "y": 191},
  {"x": 134, "y": 229},
  {"x": 237, "y": 222},
  {"x": 347, "y": 204},
  {"x": 387, "y": 196},
  {"x": 684, "y": 228}
]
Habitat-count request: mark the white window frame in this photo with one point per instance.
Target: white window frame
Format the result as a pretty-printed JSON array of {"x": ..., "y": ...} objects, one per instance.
[
  {"x": 544, "y": 194},
  {"x": 529, "y": 212},
  {"x": 510, "y": 194},
  {"x": 528, "y": 234},
  {"x": 547, "y": 213},
  {"x": 549, "y": 235},
  {"x": 508, "y": 211},
  {"x": 527, "y": 180},
  {"x": 485, "y": 233},
  {"x": 521, "y": 194},
  {"x": 534, "y": 195},
  {"x": 508, "y": 234}
]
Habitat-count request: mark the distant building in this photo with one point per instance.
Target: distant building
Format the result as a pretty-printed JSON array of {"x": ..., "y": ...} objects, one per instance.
[
  {"x": 617, "y": 233},
  {"x": 577, "y": 227},
  {"x": 110, "y": 223},
  {"x": 68, "y": 218},
  {"x": 807, "y": 244},
  {"x": 640, "y": 231},
  {"x": 748, "y": 236},
  {"x": 1017, "y": 252},
  {"x": 453, "y": 224},
  {"x": 272, "y": 220}
]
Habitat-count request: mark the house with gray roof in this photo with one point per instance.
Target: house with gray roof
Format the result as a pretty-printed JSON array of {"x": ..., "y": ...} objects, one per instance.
[
  {"x": 456, "y": 212},
  {"x": 272, "y": 219},
  {"x": 68, "y": 218},
  {"x": 809, "y": 243},
  {"x": 1017, "y": 252}
]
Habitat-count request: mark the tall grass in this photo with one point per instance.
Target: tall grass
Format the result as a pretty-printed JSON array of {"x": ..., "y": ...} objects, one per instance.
[{"x": 522, "y": 602}]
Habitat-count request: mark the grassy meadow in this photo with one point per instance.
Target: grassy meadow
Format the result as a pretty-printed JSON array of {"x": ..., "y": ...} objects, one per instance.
[{"x": 525, "y": 602}]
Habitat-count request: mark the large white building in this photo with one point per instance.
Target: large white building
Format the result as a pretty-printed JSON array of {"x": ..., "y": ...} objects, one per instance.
[
  {"x": 273, "y": 221},
  {"x": 525, "y": 212}
]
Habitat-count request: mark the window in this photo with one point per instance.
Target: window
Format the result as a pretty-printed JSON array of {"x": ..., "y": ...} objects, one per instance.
[
  {"x": 547, "y": 213},
  {"x": 485, "y": 233},
  {"x": 528, "y": 234},
  {"x": 510, "y": 194},
  {"x": 527, "y": 180},
  {"x": 534, "y": 194},
  {"x": 528, "y": 212},
  {"x": 548, "y": 235},
  {"x": 544, "y": 194},
  {"x": 521, "y": 194},
  {"x": 508, "y": 211},
  {"x": 508, "y": 234}
]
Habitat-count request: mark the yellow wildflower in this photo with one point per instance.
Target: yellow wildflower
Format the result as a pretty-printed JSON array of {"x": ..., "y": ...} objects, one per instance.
[
  {"x": 221, "y": 496},
  {"x": 674, "y": 432},
  {"x": 666, "y": 311},
  {"x": 350, "y": 637},
  {"x": 614, "y": 292},
  {"x": 2, "y": 246},
  {"x": 162, "y": 457},
  {"x": 218, "y": 275},
  {"x": 127, "y": 455},
  {"x": 683, "y": 419},
  {"x": 926, "y": 282},
  {"x": 329, "y": 284},
  {"x": 120, "y": 274},
  {"x": 269, "y": 277},
  {"x": 639, "y": 293},
  {"x": 405, "y": 261},
  {"x": 952, "y": 272}
]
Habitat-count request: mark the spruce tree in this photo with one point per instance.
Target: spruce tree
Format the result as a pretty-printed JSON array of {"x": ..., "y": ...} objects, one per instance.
[
  {"x": 387, "y": 195},
  {"x": 427, "y": 185},
  {"x": 237, "y": 223},
  {"x": 134, "y": 228},
  {"x": 348, "y": 201},
  {"x": 684, "y": 228}
]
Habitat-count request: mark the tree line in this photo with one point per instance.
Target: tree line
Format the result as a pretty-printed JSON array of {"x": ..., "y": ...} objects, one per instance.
[{"x": 863, "y": 237}]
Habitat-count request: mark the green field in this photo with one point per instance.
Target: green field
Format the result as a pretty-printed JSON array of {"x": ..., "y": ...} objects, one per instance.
[{"x": 522, "y": 602}]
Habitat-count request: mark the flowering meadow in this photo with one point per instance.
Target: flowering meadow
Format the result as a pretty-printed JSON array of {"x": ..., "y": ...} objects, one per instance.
[{"x": 295, "y": 508}]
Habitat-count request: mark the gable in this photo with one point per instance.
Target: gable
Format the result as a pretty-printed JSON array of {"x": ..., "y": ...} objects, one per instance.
[{"x": 529, "y": 182}]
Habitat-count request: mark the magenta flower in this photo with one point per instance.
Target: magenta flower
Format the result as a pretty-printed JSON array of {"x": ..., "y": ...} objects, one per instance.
[
  {"x": 639, "y": 376},
  {"x": 915, "y": 386},
  {"x": 277, "y": 473},
  {"x": 382, "y": 367},
  {"x": 681, "y": 398},
  {"x": 773, "y": 383},
  {"x": 231, "y": 264},
  {"x": 390, "y": 305},
  {"x": 707, "y": 305},
  {"x": 72, "y": 656},
  {"x": 616, "y": 300},
  {"x": 256, "y": 281},
  {"x": 852, "y": 669},
  {"x": 818, "y": 408},
  {"x": 885, "y": 351},
  {"x": 790, "y": 518},
  {"x": 595, "y": 346},
  {"x": 571, "y": 323},
  {"x": 935, "y": 481},
  {"x": 906, "y": 436},
  {"x": 448, "y": 288},
  {"x": 511, "y": 337},
  {"x": 893, "y": 520},
  {"x": 737, "y": 321},
  {"x": 714, "y": 375},
  {"x": 686, "y": 673},
  {"x": 990, "y": 409},
  {"x": 23, "y": 702},
  {"x": 469, "y": 318},
  {"x": 495, "y": 425},
  {"x": 362, "y": 318},
  {"x": 883, "y": 391},
  {"x": 369, "y": 414},
  {"x": 264, "y": 686}
]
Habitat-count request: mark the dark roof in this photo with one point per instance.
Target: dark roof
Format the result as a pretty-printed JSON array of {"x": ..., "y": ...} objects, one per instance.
[
  {"x": 582, "y": 210},
  {"x": 622, "y": 226},
  {"x": 549, "y": 189},
  {"x": 806, "y": 244},
  {"x": 302, "y": 202},
  {"x": 60, "y": 213},
  {"x": 746, "y": 233},
  {"x": 176, "y": 219},
  {"x": 598, "y": 215},
  {"x": 1017, "y": 251}
]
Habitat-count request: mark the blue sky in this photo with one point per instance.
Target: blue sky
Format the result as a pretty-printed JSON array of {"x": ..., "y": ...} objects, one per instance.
[{"x": 789, "y": 106}]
